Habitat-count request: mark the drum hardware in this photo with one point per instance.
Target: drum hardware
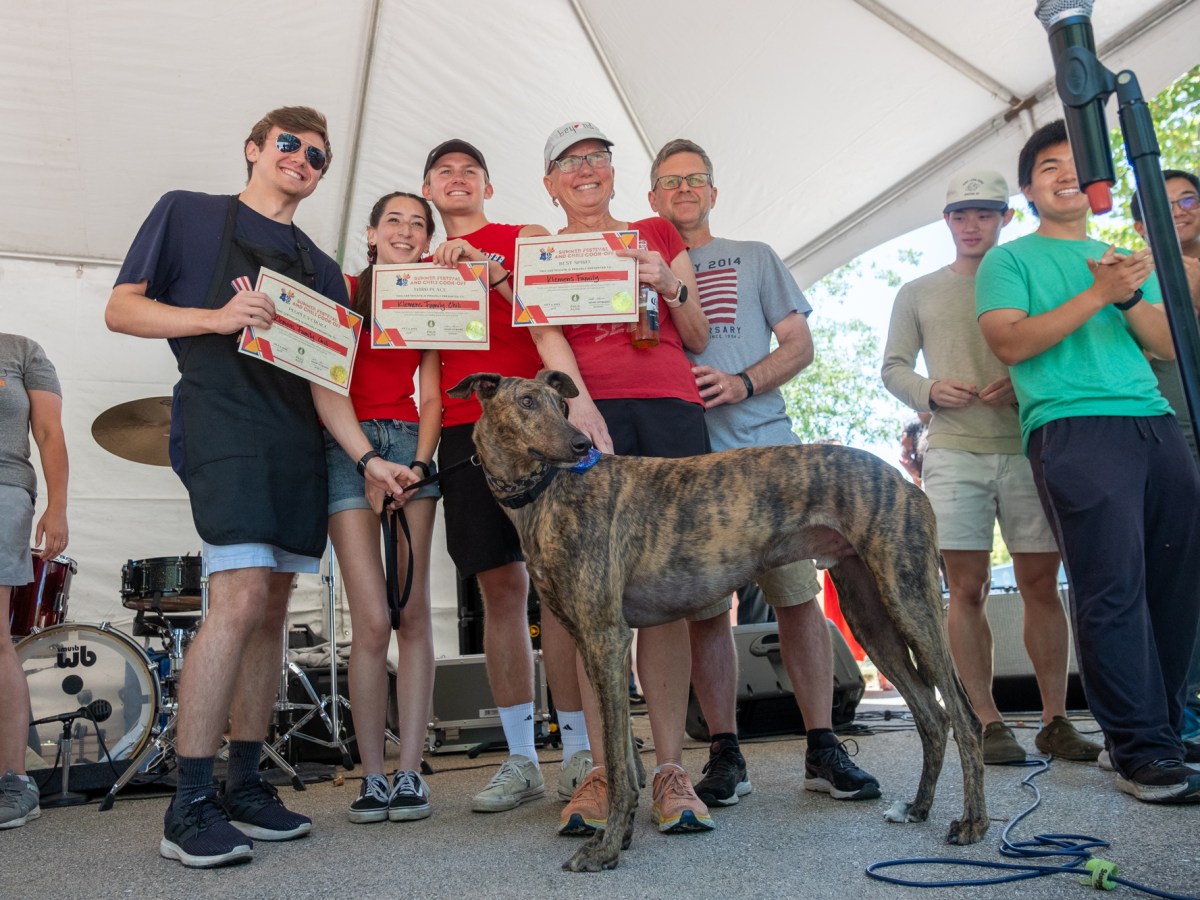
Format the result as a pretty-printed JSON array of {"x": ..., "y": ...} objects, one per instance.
[
  {"x": 329, "y": 707},
  {"x": 138, "y": 431}
]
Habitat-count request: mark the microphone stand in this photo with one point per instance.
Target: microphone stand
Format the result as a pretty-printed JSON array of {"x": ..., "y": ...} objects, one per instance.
[
  {"x": 1089, "y": 80},
  {"x": 65, "y": 797}
]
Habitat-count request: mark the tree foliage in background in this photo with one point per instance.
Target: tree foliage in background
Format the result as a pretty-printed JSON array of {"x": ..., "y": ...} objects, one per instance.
[
  {"x": 840, "y": 397},
  {"x": 1176, "y": 114}
]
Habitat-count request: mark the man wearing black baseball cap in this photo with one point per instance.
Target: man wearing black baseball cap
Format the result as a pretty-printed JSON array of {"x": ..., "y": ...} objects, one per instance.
[{"x": 479, "y": 536}]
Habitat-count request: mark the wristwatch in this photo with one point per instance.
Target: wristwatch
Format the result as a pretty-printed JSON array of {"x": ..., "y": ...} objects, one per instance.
[{"x": 681, "y": 297}]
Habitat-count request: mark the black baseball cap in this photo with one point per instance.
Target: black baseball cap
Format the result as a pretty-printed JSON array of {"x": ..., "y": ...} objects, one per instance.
[{"x": 455, "y": 145}]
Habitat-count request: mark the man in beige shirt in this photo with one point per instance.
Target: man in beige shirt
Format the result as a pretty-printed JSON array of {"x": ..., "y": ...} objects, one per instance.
[{"x": 975, "y": 472}]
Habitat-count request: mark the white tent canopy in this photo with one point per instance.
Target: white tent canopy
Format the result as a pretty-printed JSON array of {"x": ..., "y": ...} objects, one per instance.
[{"x": 832, "y": 125}]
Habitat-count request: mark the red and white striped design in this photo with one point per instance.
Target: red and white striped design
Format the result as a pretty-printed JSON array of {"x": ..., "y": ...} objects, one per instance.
[{"x": 718, "y": 295}]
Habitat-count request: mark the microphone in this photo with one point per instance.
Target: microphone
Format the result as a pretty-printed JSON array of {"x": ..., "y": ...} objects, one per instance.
[
  {"x": 97, "y": 711},
  {"x": 1083, "y": 85}
]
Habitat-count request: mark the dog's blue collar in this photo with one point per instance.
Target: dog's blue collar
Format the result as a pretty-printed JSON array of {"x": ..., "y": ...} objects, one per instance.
[{"x": 587, "y": 462}]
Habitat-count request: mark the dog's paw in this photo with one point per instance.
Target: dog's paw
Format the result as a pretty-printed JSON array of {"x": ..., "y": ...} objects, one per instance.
[
  {"x": 901, "y": 812},
  {"x": 967, "y": 832},
  {"x": 595, "y": 855}
]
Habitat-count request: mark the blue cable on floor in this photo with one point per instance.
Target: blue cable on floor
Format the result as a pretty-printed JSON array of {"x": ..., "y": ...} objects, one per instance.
[{"x": 1096, "y": 872}]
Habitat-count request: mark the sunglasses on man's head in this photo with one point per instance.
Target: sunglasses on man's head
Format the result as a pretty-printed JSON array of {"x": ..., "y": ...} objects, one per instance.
[{"x": 289, "y": 143}]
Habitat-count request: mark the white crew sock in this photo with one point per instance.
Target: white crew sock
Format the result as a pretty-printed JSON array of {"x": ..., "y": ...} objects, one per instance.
[
  {"x": 517, "y": 722},
  {"x": 572, "y": 729}
]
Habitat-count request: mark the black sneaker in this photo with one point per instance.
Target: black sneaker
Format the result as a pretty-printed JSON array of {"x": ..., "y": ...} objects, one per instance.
[
  {"x": 256, "y": 809},
  {"x": 200, "y": 836},
  {"x": 409, "y": 799},
  {"x": 829, "y": 770},
  {"x": 1191, "y": 752},
  {"x": 1163, "y": 781},
  {"x": 372, "y": 802},
  {"x": 725, "y": 777}
]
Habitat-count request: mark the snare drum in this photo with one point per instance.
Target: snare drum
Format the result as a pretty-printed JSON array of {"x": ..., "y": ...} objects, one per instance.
[
  {"x": 43, "y": 602},
  {"x": 70, "y": 666},
  {"x": 167, "y": 584}
]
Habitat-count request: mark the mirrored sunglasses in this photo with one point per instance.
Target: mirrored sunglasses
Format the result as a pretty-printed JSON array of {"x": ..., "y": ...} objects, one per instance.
[{"x": 289, "y": 143}]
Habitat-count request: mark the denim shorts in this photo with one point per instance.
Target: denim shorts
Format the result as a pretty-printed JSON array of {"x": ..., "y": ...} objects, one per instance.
[
  {"x": 394, "y": 440},
  {"x": 16, "y": 529}
]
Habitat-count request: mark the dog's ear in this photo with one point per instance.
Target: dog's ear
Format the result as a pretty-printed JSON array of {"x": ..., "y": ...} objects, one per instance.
[
  {"x": 482, "y": 383},
  {"x": 560, "y": 381}
]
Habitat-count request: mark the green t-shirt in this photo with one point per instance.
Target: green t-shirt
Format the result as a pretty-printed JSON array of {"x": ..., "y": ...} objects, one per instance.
[{"x": 1097, "y": 370}]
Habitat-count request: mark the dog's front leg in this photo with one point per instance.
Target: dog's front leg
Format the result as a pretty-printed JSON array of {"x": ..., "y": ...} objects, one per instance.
[{"x": 605, "y": 655}]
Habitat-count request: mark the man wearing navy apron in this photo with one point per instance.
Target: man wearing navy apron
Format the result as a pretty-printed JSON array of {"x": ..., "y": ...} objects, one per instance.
[{"x": 246, "y": 441}]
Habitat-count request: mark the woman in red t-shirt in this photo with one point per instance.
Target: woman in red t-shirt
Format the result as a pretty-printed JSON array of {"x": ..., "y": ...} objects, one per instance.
[
  {"x": 382, "y": 392},
  {"x": 637, "y": 401}
]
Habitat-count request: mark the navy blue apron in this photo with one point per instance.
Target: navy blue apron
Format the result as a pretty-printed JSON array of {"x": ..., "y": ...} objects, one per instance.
[{"x": 254, "y": 453}]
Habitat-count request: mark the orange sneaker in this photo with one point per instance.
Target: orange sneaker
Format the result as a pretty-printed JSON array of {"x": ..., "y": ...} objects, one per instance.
[
  {"x": 588, "y": 809},
  {"x": 676, "y": 807}
]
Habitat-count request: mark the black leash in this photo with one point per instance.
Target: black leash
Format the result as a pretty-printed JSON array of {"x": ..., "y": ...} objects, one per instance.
[{"x": 388, "y": 519}]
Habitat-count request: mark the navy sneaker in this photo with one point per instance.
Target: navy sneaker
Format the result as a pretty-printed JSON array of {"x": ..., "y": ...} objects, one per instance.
[
  {"x": 409, "y": 800},
  {"x": 256, "y": 809},
  {"x": 372, "y": 802},
  {"x": 200, "y": 836},
  {"x": 1163, "y": 781},
  {"x": 829, "y": 770}
]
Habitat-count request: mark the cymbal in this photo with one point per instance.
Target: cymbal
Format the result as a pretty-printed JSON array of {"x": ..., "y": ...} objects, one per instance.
[{"x": 138, "y": 430}]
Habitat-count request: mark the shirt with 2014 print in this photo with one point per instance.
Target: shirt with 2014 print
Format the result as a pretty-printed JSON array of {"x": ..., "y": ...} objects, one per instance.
[{"x": 745, "y": 291}]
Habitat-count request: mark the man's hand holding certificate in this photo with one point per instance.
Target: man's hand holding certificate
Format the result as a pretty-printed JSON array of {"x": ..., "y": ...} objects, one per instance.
[
  {"x": 573, "y": 279},
  {"x": 424, "y": 306},
  {"x": 311, "y": 335}
]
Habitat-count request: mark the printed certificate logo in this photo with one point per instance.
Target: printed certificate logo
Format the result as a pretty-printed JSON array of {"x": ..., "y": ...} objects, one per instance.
[
  {"x": 546, "y": 254},
  {"x": 286, "y": 296},
  {"x": 402, "y": 280}
]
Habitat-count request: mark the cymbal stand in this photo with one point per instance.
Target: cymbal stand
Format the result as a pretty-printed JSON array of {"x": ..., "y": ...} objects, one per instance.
[{"x": 328, "y": 707}]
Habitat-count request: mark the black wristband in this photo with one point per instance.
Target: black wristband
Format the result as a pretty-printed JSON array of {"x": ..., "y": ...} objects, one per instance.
[
  {"x": 499, "y": 281},
  {"x": 1131, "y": 302},
  {"x": 422, "y": 465},
  {"x": 748, "y": 383},
  {"x": 366, "y": 458}
]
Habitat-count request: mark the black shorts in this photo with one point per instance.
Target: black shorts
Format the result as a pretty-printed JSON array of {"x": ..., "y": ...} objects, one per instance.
[
  {"x": 662, "y": 426},
  {"x": 479, "y": 534}
]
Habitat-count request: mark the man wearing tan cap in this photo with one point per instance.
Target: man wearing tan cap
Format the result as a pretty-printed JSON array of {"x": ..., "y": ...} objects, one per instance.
[{"x": 975, "y": 472}]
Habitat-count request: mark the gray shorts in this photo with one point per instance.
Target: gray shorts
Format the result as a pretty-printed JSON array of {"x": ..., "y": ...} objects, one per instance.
[
  {"x": 970, "y": 491},
  {"x": 16, "y": 529},
  {"x": 789, "y": 585}
]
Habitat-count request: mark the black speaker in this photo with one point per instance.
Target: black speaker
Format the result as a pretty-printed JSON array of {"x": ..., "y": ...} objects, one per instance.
[
  {"x": 470, "y": 616},
  {"x": 765, "y": 702}
]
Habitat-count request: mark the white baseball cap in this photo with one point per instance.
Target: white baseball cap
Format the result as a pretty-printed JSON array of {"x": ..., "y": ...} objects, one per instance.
[{"x": 572, "y": 133}]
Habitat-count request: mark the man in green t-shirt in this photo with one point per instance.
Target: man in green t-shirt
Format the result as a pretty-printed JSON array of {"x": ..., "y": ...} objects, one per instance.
[{"x": 1066, "y": 314}]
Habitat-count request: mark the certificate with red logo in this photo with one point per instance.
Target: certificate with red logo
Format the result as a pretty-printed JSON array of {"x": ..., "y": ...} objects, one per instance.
[
  {"x": 572, "y": 279},
  {"x": 312, "y": 336},
  {"x": 423, "y": 306}
]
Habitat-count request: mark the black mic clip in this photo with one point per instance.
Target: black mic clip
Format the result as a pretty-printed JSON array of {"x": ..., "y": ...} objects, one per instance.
[{"x": 1081, "y": 78}]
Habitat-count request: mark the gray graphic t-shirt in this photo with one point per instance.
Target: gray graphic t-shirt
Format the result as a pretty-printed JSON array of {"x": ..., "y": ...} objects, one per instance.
[{"x": 745, "y": 289}]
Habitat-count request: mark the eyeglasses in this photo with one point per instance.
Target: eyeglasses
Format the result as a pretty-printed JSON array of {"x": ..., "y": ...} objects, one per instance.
[
  {"x": 695, "y": 180},
  {"x": 1187, "y": 202},
  {"x": 599, "y": 159},
  {"x": 289, "y": 143}
]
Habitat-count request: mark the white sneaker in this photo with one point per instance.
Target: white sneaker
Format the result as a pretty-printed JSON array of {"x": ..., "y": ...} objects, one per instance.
[
  {"x": 518, "y": 780},
  {"x": 573, "y": 773}
]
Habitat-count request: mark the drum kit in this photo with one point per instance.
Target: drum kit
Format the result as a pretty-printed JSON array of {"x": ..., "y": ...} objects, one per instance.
[{"x": 97, "y": 695}]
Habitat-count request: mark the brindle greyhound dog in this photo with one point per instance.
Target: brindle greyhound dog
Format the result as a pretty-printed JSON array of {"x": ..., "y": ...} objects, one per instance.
[{"x": 634, "y": 542}]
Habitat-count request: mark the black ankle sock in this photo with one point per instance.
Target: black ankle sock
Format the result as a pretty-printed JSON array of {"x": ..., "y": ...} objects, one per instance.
[
  {"x": 725, "y": 738},
  {"x": 193, "y": 777},
  {"x": 820, "y": 738},
  {"x": 244, "y": 757}
]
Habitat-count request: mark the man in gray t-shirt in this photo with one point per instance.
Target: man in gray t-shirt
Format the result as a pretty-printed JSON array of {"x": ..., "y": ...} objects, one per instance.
[{"x": 748, "y": 295}]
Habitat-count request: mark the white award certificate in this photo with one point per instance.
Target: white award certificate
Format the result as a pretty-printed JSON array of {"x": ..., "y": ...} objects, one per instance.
[
  {"x": 312, "y": 336},
  {"x": 573, "y": 279},
  {"x": 423, "y": 306}
]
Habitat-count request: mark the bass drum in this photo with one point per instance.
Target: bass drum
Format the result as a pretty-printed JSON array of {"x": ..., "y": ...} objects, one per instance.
[{"x": 70, "y": 666}]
